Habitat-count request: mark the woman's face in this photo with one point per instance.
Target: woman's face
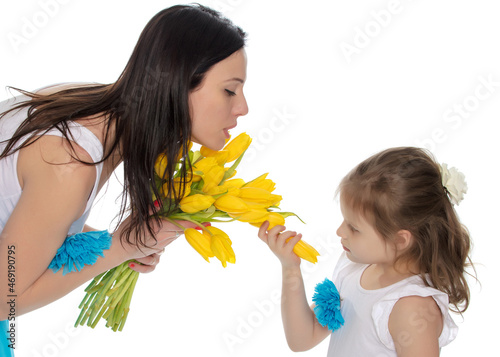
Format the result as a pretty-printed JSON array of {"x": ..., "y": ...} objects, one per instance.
[{"x": 218, "y": 102}]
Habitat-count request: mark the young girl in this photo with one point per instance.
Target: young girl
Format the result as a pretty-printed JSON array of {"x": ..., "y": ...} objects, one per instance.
[
  {"x": 403, "y": 267},
  {"x": 59, "y": 146}
]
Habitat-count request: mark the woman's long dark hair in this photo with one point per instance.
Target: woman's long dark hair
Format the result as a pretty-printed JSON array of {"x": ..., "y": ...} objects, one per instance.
[{"x": 147, "y": 108}]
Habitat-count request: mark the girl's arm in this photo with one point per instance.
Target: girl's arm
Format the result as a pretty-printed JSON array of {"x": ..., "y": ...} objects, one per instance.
[
  {"x": 415, "y": 325},
  {"x": 55, "y": 193},
  {"x": 302, "y": 329}
]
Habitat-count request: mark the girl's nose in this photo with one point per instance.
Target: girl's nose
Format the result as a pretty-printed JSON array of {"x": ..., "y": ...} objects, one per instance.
[{"x": 340, "y": 230}]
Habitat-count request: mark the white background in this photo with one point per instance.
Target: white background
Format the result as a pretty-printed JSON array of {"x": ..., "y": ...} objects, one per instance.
[{"x": 329, "y": 83}]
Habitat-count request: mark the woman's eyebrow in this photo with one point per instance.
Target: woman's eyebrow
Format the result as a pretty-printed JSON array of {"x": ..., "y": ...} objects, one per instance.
[{"x": 235, "y": 79}]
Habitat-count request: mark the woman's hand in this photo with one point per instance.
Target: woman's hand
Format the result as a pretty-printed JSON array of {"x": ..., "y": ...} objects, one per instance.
[
  {"x": 281, "y": 243},
  {"x": 146, "y": 264},
  {"x": 146, "y": 258}
]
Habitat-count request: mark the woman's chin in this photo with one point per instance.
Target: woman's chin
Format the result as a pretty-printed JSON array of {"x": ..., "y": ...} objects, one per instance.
[{"x": 215, "y": 145}]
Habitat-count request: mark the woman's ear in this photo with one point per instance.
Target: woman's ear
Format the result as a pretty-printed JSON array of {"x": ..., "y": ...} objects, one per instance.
[{"x": 403, "y": 239}]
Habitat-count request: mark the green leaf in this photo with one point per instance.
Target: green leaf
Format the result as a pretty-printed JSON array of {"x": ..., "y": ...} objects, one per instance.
[{"x": 231, "y": 170}]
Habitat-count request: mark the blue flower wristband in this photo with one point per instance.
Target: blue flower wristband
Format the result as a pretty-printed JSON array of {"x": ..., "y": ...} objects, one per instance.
[
  {"x": 327, "y": 301},
  {"x": 79, "y": 250}
]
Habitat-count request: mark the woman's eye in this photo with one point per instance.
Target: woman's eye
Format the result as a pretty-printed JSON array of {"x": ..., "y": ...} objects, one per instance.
[{"x": 231, "y": 93}]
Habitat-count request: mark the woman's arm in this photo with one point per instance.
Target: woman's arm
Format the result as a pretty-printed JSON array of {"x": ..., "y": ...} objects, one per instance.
[
  {"x": 302, "y": 329},
  {"x": 55, "y": 190},
  {"x": 55, "y": 193},
  {"x": 415, "y": 325}
]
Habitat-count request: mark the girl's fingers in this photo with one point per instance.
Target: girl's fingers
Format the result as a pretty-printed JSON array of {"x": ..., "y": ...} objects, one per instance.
[
  {"x": 282, "y": 237},
  {"x": 276, "y": 230},
  {"x": 294, "y": 240},
  {"x": 263, "y": 231}
]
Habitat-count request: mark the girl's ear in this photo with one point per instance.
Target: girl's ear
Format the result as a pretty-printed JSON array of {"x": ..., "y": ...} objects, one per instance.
[{"x": 403, "y": 239}]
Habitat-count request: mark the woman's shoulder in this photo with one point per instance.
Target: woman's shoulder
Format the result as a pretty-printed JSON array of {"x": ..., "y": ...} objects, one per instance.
[{"x": 52, "y": 158}]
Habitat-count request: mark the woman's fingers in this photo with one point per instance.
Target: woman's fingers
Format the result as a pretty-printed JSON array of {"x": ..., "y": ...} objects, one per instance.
[
  {"x": 146, "y": 264},
  {"x": 144, "y": 269},
  {"x": 152, "y": 259}
]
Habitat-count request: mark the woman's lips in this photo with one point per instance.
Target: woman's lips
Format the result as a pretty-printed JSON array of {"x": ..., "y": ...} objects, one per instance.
[{"x": 226, "y": 131}]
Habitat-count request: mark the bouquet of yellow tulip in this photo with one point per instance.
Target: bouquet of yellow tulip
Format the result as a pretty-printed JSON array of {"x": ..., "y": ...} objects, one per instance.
[{"x": 211, "y": 195}]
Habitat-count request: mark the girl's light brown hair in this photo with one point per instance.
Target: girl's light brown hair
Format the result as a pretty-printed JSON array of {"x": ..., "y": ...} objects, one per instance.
[{"x": 401, "y": 189}]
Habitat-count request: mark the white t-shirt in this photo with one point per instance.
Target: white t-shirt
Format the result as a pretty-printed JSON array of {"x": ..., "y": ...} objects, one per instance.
[
  {"x": 10, "y": 190},
  {"x": 366, "y": 313}
]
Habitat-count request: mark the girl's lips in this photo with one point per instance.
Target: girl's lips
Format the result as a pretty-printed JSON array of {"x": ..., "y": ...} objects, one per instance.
[{"x": 347, "y": 250}]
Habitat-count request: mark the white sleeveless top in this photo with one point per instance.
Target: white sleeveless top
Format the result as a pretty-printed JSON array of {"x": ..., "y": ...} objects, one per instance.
[
  {"x": 10, "y": 190},
  {"x": 366, "y": 313}
]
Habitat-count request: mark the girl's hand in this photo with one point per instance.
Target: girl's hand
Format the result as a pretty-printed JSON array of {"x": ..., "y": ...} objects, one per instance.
[{"x": 281, "y": 243}]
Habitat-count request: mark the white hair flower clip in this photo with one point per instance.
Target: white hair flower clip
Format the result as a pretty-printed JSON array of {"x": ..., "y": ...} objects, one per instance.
[{"x": 454, "y": 183}]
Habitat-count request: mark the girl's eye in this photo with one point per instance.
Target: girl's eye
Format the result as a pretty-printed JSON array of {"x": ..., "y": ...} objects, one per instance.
[
  {"x": 352, "y": 228},
  {"x": 231, "y": 93}
]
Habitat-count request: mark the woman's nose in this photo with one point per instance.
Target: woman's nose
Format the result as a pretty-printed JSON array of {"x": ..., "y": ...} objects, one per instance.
[{"x": 241, "y": 108}]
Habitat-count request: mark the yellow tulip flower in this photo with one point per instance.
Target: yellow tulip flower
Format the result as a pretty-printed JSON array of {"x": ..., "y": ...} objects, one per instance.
[
  {"x": 215, "y": 230},
  {"x": 251, "y": 216},
  {"x": 221, "y": 246},
  {"x": 205, "y": 164},
  {"x": 231, "y": 204},
  {"x": 221, "y": 156},
  {"x": 161, "y": 161},
  {"x": 237, "y": 146},
  {"x": 196, "y": 203},
  {"x": 238, "y": 183},
  {"x": 161, "y": 165},
  {"x": 259, "y": 195},
  {"x": 262, "y": 182},
  {"x": 306, "y": 251},
  {"x": 200, "y": 242},
  {"x": 217, "y": 190},
  {"x": 212, "y": 177},
  {"x": 177, "y": 188},
  {"x": 274, "y": 218}
]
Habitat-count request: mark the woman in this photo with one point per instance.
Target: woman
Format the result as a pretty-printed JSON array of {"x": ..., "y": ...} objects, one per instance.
[{"x": 59, "y": 146}]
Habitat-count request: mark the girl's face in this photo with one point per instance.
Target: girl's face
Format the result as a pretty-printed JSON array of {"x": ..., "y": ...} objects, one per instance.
[
  {"x": 362, "y": 243},
  {"x": 218, "y": 102}
]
